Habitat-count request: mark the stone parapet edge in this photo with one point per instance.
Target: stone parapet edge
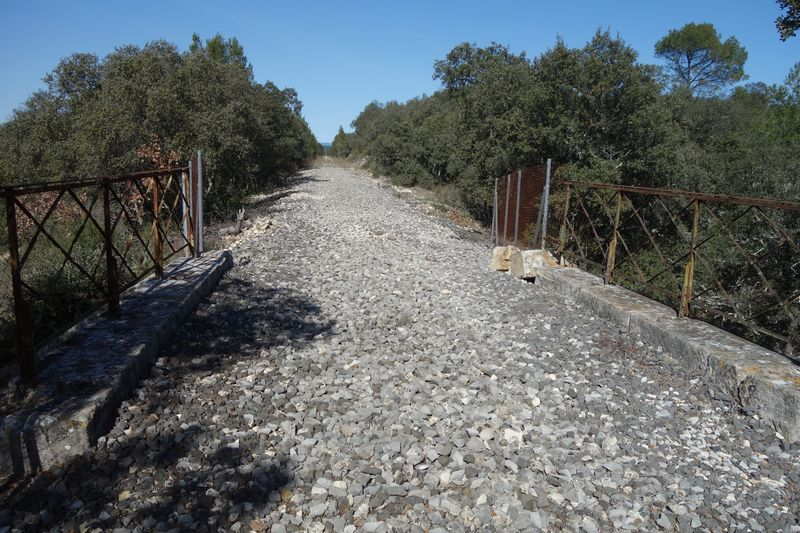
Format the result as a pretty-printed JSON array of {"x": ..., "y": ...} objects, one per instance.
[
  {"x": 41, "y": 439},
  {"x": 759, "y": 381}
]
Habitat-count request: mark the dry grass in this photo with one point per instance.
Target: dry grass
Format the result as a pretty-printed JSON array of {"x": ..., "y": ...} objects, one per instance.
[{"x": 340, "y": 162}]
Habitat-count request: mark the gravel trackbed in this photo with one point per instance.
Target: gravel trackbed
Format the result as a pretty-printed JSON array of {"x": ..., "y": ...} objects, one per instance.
[{"x": 361, "y": 369}]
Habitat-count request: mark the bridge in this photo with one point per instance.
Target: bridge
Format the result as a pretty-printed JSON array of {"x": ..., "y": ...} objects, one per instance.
[{"x": 361, "y": 369}]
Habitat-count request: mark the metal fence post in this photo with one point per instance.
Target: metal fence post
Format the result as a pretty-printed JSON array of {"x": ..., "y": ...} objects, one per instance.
[
  {"x": 508, "y": 197},
  {"x": 562, "y": 233},
  {"x": 546, "y": 204},
  {"x": 186, "y": 219},
  {"x": 612, "y": 247},
  {"x": 516, "y": 214},
  {"x": 494, "y": 214},
  {"x": 111, "y": 264},
  {"x": 23, "y": 321},
  {"x": 198, "y": 199},
  {"x": 687, "y": 290},
  {"x": 157, "y": 244}
]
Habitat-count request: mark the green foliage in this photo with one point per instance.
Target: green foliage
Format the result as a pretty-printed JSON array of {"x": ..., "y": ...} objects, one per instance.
[
  {"x": 789, "y": 21},
  {"x": 153, "y": 106},
  {"x": 341, "y": 145},
  {"x": 698, "y": 59},
  {"x": 593, "y": 108},
  {"x": 605, "y": 117}
]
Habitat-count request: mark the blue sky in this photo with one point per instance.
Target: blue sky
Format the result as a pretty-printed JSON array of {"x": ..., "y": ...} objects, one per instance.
[{"x": 341, "y": 55}]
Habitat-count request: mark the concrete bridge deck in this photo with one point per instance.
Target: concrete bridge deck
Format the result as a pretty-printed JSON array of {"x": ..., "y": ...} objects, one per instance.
[{"x": 362, "y": 370}]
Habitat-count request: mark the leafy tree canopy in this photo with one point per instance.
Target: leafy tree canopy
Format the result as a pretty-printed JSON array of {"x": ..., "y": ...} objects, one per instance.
[
  {"x": 222, "y": 50},
  {"x": 789, "y": 21},
  {"x": 141, "y": 107},
  {"x": 699, "y": 60},
  {"x": 596, "y": 110},
  {"x": 340, "y": 147}
]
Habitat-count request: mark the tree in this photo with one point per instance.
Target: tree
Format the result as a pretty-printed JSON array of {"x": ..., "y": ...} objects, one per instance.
[
  {"x": 789, "y": 22},
  {"x": 148, "y": 106},
  {"x": 341, "y": 145},
  {"x": 221, "y": 50},
  {"x": 74, "y": 76},
  {"x": 698, "y": 60}
]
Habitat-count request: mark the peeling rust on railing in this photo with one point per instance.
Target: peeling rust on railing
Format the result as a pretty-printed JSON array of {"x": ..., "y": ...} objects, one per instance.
[
  {"x": 722, "y": 258},
  {"x": 155, "y": 214}
]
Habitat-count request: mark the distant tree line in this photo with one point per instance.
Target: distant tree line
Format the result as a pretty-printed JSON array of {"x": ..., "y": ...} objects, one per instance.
[
  {"x": 598, "y": 112},
  {"x": 141, "y": 107}
]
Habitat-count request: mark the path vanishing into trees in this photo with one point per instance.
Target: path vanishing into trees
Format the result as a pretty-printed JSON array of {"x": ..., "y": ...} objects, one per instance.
[{"x": 362, "y": 369}]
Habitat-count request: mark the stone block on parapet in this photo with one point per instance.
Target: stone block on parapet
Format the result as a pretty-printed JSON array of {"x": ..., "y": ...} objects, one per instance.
[
  {"x": 757, "y": 380},
  {"x": 526, "y": 264},
  {"x": 501, "y": 257}
]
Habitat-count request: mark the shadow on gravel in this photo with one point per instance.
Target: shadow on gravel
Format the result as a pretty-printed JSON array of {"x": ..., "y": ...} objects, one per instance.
[
  {"x": 155, "y": 483},
  {"x": 151, "y": 469},
  {"x": 243, "y": 318}
]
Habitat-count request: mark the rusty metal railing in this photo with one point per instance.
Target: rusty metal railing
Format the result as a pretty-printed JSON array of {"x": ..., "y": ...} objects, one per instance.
[
  {"x": 732, "y": 261},
  {"x": 74, "y": 244},
  {"x": 520, "y": 202}
]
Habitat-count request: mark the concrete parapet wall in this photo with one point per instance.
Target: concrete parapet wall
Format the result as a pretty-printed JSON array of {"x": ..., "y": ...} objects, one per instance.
[
  {"x": 758, "y": 380},
  {"x": 91, "y": 369}
]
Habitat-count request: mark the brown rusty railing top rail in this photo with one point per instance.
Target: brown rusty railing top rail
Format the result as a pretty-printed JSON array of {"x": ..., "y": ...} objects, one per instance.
[
  {"x": 71, "y": 183},
  {"x": 90, "y": 239},
  {"x": 689, "y": 195},
  {"x": 733, "y": 261}
]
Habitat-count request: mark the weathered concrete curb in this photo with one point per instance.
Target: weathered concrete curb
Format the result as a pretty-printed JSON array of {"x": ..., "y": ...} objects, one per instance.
[
  {"x": 96, "y": 365},
  {"x": 758, "y": 380}
]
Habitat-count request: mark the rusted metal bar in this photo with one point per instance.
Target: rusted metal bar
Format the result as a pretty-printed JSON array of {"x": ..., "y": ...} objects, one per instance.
[
  {"x": 767, "y": 284},
  {"x": 187, "y": 220},
  {"x": 83, "y": 225},
  {"x": 132, "y": 225},
  {"x": 689, "y": 195},
  {"x": 597, "y": 237},
  {"x": 22, "y": 310},
  {"x": 108, "y": 240},
  {"x": 199, "y": 246},
  {"x": 494, "y": 214},
  {"x": 688, "y": 273},
  {"x": 611, "y": 257},
  {"x": 196, "y": 177},
  {"x": 39, "y": 228},
  {"x": 60, "y": 248},
  {"x": 786, "y": 237},
  {"x": 63, "y": 185},
  {"x": 546, "y": 203},
  {"x": 508, "y": 197},
  {"x": 516, "y": 214},
  {"x": 158, "y": 250},
  {"x": 562, "y": 234}
]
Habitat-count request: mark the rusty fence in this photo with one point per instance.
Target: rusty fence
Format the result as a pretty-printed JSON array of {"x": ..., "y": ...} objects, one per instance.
[
  {"x": 728, "y": 260},
  {"x": 520, "y": 206},
  {"x": 74, "y": 245}
]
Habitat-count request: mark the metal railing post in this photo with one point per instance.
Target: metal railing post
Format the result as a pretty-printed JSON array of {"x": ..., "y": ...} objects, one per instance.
[
  {"x": 508, "y": 197},
  {"x": 516, "y": 214},
  {"x": 158, "y": 251},
  {"x": 111, "y": 264},
  {"x": 186, "y": 219},
  {"x": 687, "y": 290},
  {"x": 23, "y": 321},
  {"x": 546, "y": 204},
  {"x": 494, "y": 214},
  {"x": 562, "y": 233},
  {"x": 196, "y": 177},
  {"x": 612, "y": 247}
]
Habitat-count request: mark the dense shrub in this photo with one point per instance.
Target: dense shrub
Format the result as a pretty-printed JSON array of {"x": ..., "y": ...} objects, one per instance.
[{"x": 152, "y": 106}]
